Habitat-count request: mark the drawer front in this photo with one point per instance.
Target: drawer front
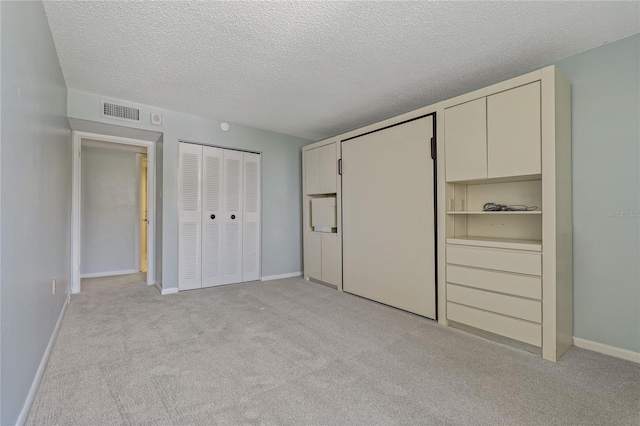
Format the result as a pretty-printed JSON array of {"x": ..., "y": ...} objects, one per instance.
[
  {"x": 530, "y": 310},
  {"x": 517, "y": 285},
  {"x": 501, "y": 260},
  {"x": 513, "y": 328}
]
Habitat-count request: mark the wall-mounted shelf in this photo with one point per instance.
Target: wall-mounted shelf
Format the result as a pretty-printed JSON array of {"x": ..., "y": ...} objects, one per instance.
[
  {"x": 504, "y": 243},
  {"x": 499, "y": 212}
]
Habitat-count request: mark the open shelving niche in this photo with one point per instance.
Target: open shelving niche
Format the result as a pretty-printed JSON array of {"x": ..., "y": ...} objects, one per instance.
[{"x": 469, "y": 225}]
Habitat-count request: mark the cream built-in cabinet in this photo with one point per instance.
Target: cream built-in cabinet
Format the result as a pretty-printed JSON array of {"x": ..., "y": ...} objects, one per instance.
[
  {"x": 505, "y": 275},
  {"x": 509, "y": 273},
  {"x": 322, "y": 259}
]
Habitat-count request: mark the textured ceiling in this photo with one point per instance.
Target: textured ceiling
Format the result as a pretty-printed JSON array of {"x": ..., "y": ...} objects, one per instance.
[{"x": 317, "y": 69}]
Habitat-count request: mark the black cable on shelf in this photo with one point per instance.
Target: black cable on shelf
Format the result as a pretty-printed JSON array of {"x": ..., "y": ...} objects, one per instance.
[{"x": 493, "y": 207}]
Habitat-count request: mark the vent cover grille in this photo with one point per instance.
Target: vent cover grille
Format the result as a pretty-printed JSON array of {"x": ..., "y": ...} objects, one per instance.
[{"x": 121, "y": 112}]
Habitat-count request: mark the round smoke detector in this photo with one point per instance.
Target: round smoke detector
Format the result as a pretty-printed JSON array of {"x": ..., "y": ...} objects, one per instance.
[{"x": 224, "y": 126}]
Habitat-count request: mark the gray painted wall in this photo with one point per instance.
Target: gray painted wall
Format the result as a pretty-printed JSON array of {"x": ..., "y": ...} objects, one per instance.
[
  {"x": 110, "y": 211},
  {"x": 36, "y": 198},
  {"x": 606, "y": 192},
  {"x": 281, "y": 182}
]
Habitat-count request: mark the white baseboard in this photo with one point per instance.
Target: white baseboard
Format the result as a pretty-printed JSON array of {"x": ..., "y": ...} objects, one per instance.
[
  {"x": 607, "y": 350},
  {"x": 166, "y": 291},
  {"x": 22, "y": 418},
  {"x": 109, "y": 274},
  {"x": 281, "y": 276}
]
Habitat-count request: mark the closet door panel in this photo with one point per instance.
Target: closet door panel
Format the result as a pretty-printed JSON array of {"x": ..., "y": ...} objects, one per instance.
[
  {"x": 465, "y": 130},
  {"x": 251, "y": 215},
  {"x": 514, "y": 133},
  {"x": 388, "y": 217},
  {"x": 212, "y": 196},
  {"x": 189, "y": 216},
  {"x": 232, "y": 217}
]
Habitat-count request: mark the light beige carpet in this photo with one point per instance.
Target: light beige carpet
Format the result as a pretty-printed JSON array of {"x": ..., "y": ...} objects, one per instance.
[{"x": 290, "y": 352}]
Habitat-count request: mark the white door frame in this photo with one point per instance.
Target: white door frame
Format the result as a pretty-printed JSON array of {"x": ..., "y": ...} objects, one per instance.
[{"x": 76, "y": 202}]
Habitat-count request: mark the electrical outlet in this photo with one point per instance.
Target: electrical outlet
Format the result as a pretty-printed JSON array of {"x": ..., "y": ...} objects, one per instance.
[{"x": 54, "y": 286}]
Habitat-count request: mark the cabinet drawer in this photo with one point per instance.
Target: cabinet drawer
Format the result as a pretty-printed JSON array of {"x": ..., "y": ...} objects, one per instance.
[
  {"x": 513, "y": 328},
  {"x": 517, "y": 285},
  {"x": 530, "y": 310},
  {"x": 501, "y": 260}
]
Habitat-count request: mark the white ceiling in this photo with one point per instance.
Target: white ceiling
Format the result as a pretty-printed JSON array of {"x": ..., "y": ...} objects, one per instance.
[{"x": 317, "y": 69}]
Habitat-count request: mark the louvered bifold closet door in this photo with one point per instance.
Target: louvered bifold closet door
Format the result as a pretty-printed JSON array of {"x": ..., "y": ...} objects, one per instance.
[
  {"x": 189, "y": 216},
  {"x": 251, "y": 222},
  {"x": 212, "y": 190},
  {"x": 232, "y": 217}
]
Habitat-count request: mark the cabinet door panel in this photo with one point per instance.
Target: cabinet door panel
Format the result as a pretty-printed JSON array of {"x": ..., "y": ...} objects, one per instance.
[
  {"x": 513, "y": 120},
  {"x": 465, "y": 135},
  {"x": 312, "y": 171},
  {"x": 330, "y": 258},
  {"x": 313, "y": 256},
  {"x": 328, "y": 168}
]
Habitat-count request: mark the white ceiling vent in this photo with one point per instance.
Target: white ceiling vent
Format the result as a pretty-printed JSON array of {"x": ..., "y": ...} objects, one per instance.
[{"x": 121, "y": 112}]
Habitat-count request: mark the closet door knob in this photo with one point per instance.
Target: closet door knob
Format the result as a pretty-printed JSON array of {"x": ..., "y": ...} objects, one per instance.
[
  {"x": 213, "y": 216},
  {"x": 233, "y": 216}
]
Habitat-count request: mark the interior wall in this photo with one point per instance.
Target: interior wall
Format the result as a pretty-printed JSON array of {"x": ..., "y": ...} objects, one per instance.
[
  {"x": 281, "y": 180},
  {"x": 36, "y": 198},
  {"x": 110, "y": 211},
  {"x": 606, "y": 192}
]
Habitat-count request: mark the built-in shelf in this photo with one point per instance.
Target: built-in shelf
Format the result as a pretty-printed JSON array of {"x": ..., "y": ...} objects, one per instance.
[
  {"x": 505, "y": 243},
  {"x": 500, "y": 212}
]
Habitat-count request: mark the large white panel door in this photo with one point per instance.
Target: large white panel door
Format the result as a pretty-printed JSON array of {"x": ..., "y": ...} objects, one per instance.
[
  {"x": 388, "y": 217},
  {"x": 251, "y": 218},
  {"x": 189, "y": 216},
  {"x": 212, "y": 190},
  {"x": 232, "y": 217}
]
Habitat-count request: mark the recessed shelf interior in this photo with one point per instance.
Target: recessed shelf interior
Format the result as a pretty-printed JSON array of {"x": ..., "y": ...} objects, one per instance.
[
  {"x": 466, "y": 201},
  {"x": 322, "y": 230}
]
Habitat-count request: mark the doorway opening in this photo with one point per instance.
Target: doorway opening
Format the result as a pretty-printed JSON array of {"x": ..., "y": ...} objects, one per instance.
[{"x": 113, "y": 212}]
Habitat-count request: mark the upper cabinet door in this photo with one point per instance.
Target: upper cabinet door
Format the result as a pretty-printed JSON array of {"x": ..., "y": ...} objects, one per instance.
[
  {"x": 513, "y": 132},
  {"x": 312, "y": 171},
  {"x": 328, "y": 168},
  {"x": 465, "y": 131}
]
